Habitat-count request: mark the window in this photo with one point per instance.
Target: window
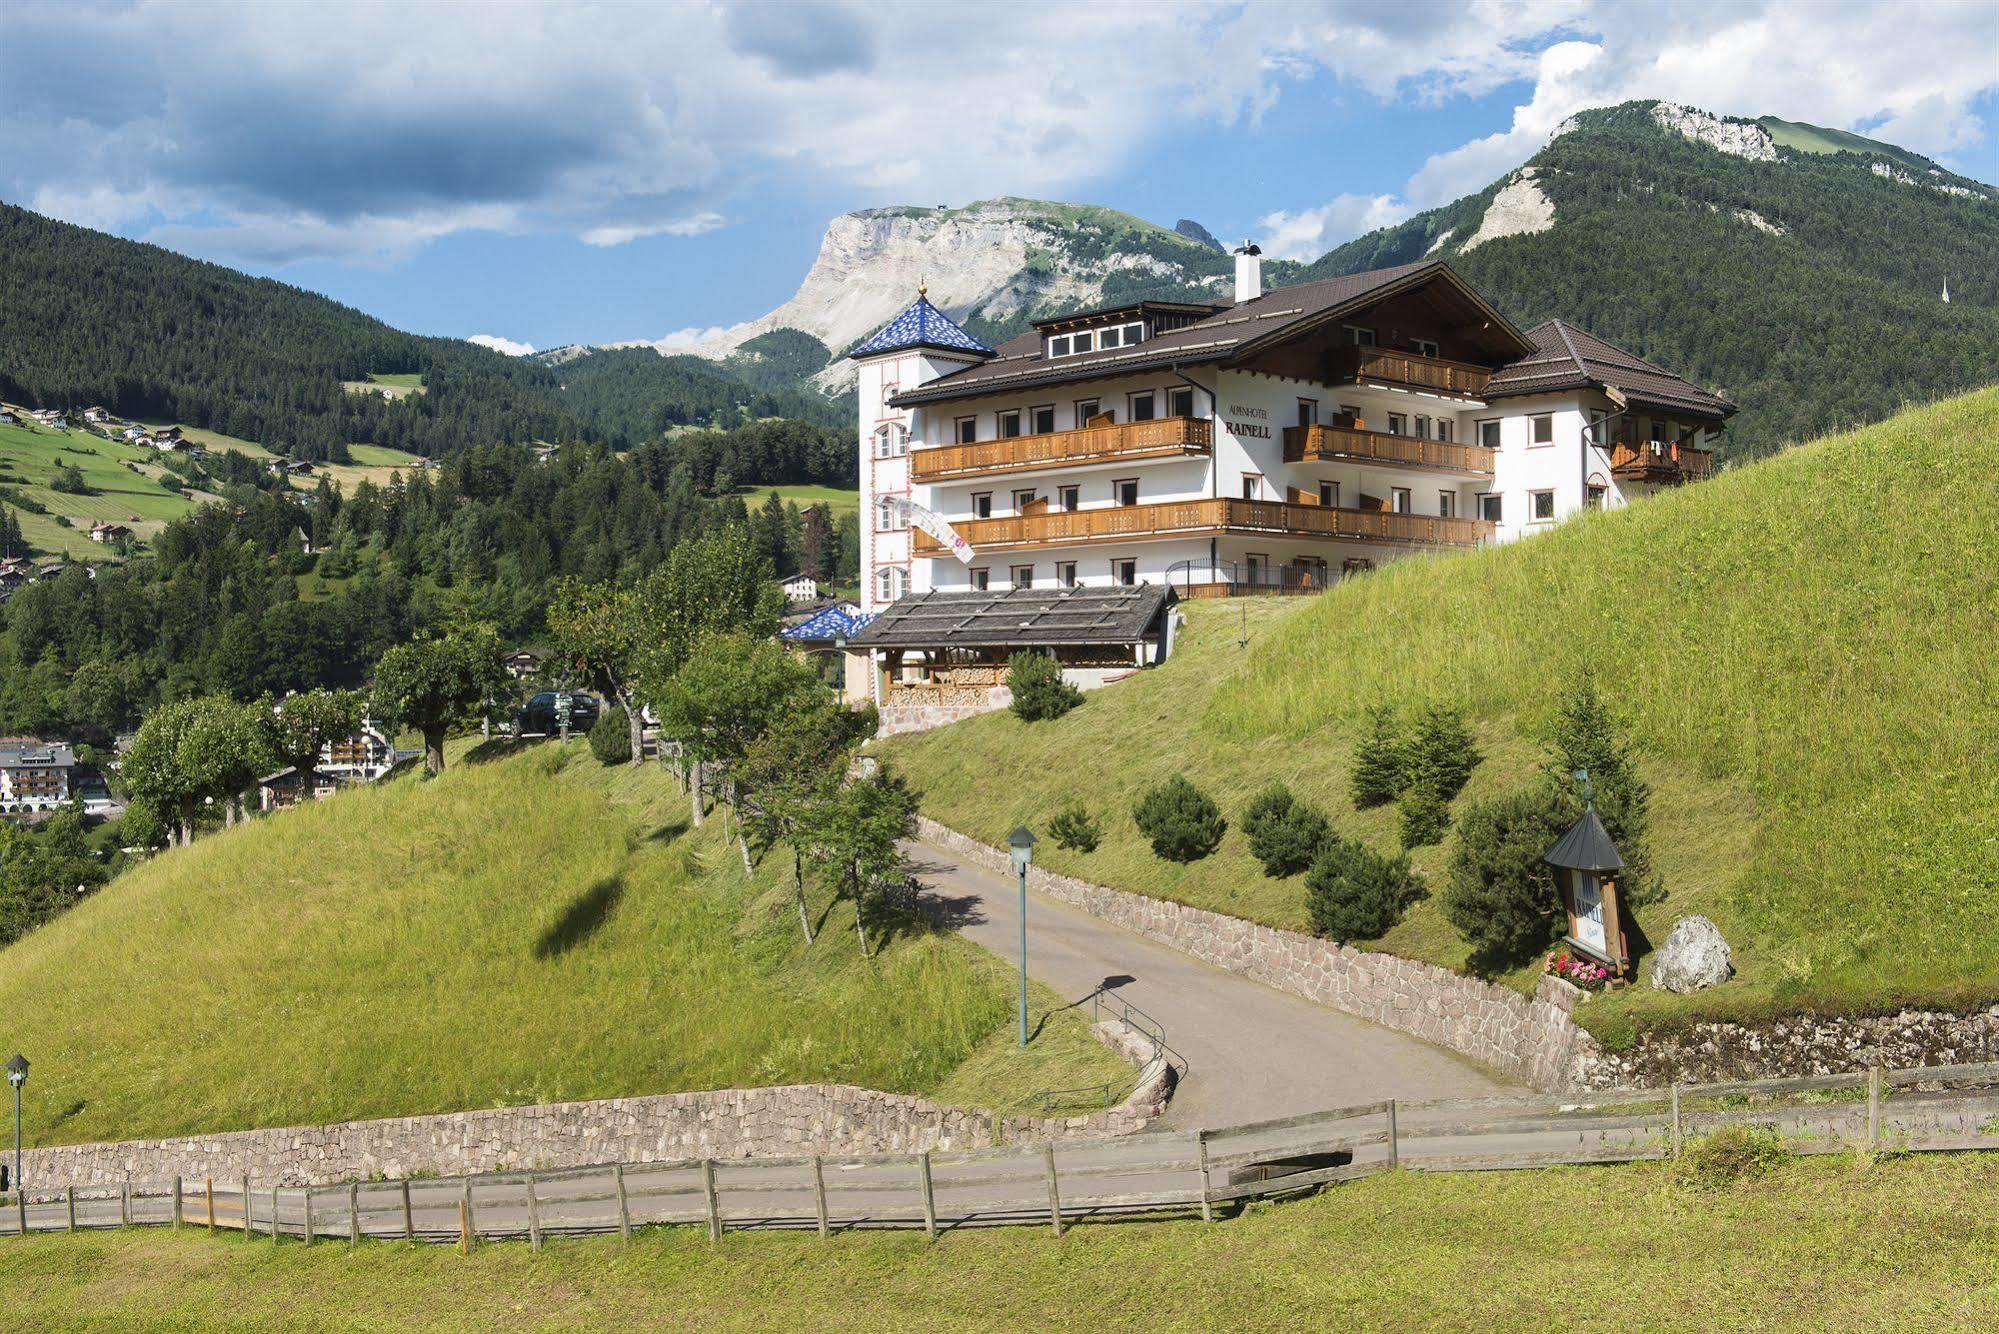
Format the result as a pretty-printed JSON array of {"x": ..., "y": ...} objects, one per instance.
[
  {"x": 982, "y": 505},
  {"x": 890, "y": 517},
  {"x": 1593, "y": 497},
  {"x": 1422, "y": 427},
  {"x": 1124, "y": 572},
  {"x": 1541, "y": 506},
  {"x": 1398, "y": 423},
  {"x": 1126, "y": 491},
  {"x": 1009, "y": 425},
  {"x": 968, "y": 430},
  {"x": 1544, "y": 429},
  {"x": 1250, "y": 486},
  {"x": 1359, "y": 337},
  {"x": 1180, "y": 402},
  {"x": 1043, "y": 419},
  {"x": 982, "y": 579},
  {"x": 1329, "y": 494},
  {"x": 1423, "y": 347},
  {"x": 889, "y": 584},
  {"x": 1065, "y": 573},
  {"x": 1086, "y": 408},
  {"x": 1447, "y": 504},
  {"x": 1490, "y": 507},
  {"x": 1656, "y": 429},
  {"x": 1022, "y": 499},
  {"x": 1069, "y": 498},
  {"x": 1254, "y": 564},
  {"x": 1023, "y": 576},
  {"x": 891, "y": 441},
  {"x": 1444, "y": 431},
  {"x": 1308, "y": 411},
  {"x": 1398, "y": 499},
  {"x": 1488, "y": 434},
  {"x": 1142, "y": 407}
]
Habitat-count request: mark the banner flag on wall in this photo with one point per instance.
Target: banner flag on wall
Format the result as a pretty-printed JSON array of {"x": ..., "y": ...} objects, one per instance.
[{"x": 933, "y": 523}]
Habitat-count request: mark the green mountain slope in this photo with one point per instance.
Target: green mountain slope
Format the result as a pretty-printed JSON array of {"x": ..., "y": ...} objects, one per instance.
[
  {"x": 1664, "y": 245},
  {"x": 1802, "y": 649},
  {"x": 418, "y": 947}
]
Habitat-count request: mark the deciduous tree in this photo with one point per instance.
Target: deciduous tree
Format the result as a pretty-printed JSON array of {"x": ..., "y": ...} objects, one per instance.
[{"x": 428, "y": 684}]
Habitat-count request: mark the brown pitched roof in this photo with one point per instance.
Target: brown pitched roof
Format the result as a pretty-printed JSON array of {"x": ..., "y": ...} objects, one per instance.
[
  {"x": 1568, "y": 358},
  {"x": 1232, "y": 331},
  {"x": 1017, "y": 618}
]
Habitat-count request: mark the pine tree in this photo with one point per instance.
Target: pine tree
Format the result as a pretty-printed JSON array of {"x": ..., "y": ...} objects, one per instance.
[
  {"x": 1379, "y": 771},
  {"x": 1587, "y": 738}
]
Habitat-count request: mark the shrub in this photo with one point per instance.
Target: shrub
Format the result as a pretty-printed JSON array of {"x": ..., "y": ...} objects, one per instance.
[
  {"x": 1075, "y": 829},
  {"x": 1440, "y": 754},
  {"x": 1183, "y": 822},
  {"x": 1039, "y": 692},
  {"x": 1353, "y": 893},
  {"x": 1377, "y": 777},
  {"x": 611, "y": 736},
  {"x": 1425, "y": 816},
  {"x": 1731, "y": 1154},
  {"x": 1285, "y": 834},
  {"x": 1498, "y": 893},
  {"x": 69, "y": 480}
]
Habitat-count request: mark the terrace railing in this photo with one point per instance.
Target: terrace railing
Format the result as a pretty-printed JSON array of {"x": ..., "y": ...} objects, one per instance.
[
  {"x": 1131, "y": 523},
  {"x": 1167, "y": 437},
  {"x": 1321, "y": 443},
  {"x": 1352, "y": 365}
]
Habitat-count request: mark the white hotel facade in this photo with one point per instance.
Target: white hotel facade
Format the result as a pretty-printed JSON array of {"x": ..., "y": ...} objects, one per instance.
[{"x": 1276, "y": 443}]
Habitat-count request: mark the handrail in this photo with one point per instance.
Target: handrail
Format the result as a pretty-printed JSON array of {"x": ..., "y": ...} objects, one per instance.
[
  {"x": 1128, "y": 523},
  {"x": 1320, "y": 441},
  {"x": 1411, "y": 368},
  {"x": 1159, "y": 438}
]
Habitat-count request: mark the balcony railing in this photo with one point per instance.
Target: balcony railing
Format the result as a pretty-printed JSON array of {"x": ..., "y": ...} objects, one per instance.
[
  {"x": 1320, "y": 443},
  {"x": 1138, "y": 523},
  {"x": 1162, "y": 438},
  {"x": 1354, "y": 364},
  {"x": 1660, "y": 460}
]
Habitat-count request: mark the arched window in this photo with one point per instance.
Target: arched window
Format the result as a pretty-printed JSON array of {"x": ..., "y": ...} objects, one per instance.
[
  {"x": 889, "y": 517},
  {"x": 888, "y": 584},
  {"x": 891, "y": 442}
]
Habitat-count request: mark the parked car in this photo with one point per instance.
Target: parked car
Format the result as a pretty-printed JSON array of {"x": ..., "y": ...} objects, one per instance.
[{"x": 543, "y": 712}]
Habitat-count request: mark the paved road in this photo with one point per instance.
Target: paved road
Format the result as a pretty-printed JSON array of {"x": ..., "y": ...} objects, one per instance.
[{"x": 1252, "y": 1053}]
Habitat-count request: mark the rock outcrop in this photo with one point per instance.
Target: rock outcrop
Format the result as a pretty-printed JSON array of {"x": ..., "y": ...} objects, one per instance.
[{"x": 1693, "y": 957}]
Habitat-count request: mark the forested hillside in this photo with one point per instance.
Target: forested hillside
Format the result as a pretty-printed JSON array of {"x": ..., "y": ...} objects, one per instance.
[
  {"x": 87, "y": 318},
  {"x": 1806, "y": 288}
]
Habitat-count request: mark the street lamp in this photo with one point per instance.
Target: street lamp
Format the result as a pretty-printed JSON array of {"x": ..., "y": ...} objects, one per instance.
[
  {"x": 17, "y": 1075},
  {"x": 1021, "y": 841}
]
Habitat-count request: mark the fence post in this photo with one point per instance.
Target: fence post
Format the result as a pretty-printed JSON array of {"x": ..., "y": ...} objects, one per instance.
[
  {"x": 819, "y": 1195},
  {"x": 353, "y": 1212},
  {"x": 1054, "y": 1190},
  {"x": 1679, "y": 1133},
  {"x": 178, "y": 1202},
  {"x": 409, "y": 1216},
  {"x": 1874, "y": 1100},
  {"x": 125, "y": 1201},
  {"x": 274, "y": 1214},
  {"x": 246, "y": 1208},
  {"x": 208, "y": 1187},
  {"x": 708, "y": 1195},
  {"x": 69, "y": 1196},
  {"x": 1394, "y": 1138},
  {"x": 534, "y": 1217},
  {"x": 308, "y": 1215},
  {"x": 929, "y": 1197},
  {"x": 468, "y": 1222},
  {"x": 624, "y": 1207},
  {"x": 1207, "y": 1189}
]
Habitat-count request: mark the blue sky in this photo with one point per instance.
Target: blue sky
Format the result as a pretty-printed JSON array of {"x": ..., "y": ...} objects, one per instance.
[{"x": 554, "y": 173}]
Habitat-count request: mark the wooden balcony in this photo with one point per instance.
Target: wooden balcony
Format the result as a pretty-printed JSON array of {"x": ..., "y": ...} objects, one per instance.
[
  {"x": 1660, "y": 461},
  {"x": 1383, "y": 365},
  {"x": 1192, "y": 518},
  {"x": 1167, "y": 437},
  {"x": 1320, "y": 443}
]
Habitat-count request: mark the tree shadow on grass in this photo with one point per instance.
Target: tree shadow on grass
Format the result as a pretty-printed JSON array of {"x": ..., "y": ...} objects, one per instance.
[
  {"x": 581, "y": 919},
  {"x": 498, "y": 748}
]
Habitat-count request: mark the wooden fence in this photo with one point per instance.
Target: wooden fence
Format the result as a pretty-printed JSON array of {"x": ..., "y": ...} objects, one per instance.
[{"x": 1058, "y": 1185}]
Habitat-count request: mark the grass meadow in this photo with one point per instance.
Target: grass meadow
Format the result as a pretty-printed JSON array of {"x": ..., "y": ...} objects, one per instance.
[
  {"x": 1803, "y": 650},
  {"x": 528, "y": 929},
  {"x": 34, "y": 454},
  {"x": 1819, "y": 1243}
]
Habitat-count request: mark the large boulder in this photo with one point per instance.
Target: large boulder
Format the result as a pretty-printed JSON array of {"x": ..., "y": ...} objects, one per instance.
[{"x": 1694, "y": 956}]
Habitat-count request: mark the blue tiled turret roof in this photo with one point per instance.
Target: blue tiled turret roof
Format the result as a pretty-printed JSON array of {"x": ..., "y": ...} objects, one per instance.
[
  {"x": 835, "y": 623},
  {"x": 922, "y": 325}
]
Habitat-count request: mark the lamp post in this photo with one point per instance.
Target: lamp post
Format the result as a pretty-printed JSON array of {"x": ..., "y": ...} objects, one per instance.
[
  {"x": 17, "y": 1075},
  {"x": 1021, "y": 841}
]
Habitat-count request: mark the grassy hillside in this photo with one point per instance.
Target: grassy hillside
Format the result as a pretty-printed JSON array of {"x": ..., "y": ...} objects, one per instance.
[
  {"x": 1802, "y": 649},
  {"x": 33, "y": 455},
  {"x": 528, "y": 929},
  {"x": 1900, "y": 1244}
]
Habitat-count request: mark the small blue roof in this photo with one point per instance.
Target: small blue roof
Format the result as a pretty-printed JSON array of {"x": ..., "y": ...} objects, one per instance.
[
  {"x": 834, "y": 623},
  {"x": 922, "y": 325}
]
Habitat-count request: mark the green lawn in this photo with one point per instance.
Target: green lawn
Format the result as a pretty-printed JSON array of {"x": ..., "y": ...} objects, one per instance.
[
  {"x": 217, "y": 440},
  {"x": 399, "y": 385},
  {"x": 1820, "y": 1243},
  {"x": 34, "y": 455},
  {"x": 1802, "y": 649},
  {"x": 839, "y": 500},
  {"x": 530, "y": 929}
]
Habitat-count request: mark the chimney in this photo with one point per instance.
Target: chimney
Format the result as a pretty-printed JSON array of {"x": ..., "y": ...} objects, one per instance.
[{"x": 1248, "y": 272}]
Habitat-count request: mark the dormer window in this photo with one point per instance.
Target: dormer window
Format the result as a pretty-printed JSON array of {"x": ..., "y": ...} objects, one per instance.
[{"x": 1109, "y": 338}]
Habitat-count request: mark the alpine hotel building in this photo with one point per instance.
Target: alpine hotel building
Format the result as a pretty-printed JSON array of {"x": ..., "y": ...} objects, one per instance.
[{"x": 1276, "y": 443}]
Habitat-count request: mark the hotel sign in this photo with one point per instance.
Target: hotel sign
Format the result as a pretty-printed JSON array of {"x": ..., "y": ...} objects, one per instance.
[{"x": 1257, "y": 427}]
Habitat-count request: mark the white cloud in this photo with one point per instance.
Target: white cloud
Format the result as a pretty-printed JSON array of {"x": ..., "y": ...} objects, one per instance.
[
  {"x": 503, "y": 345},
  {"x": 1310, "y": 233},
  {"x": 613, "y": 234}
]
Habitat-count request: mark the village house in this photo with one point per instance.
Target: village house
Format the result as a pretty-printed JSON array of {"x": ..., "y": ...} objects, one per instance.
[
  {"x": 96, "y": 416},
  {"x": 362, "y": 758},
  {"x": 524, "y": 664},
  {"x": 34, "y": 775},
  {"x": 289, "y": 787},
  {"x": 109, "y": 532},
  {"x": 799, "y": 587}
]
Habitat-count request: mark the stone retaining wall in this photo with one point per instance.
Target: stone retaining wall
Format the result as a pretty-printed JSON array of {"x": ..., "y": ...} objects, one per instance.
[
  {"x": 1798, "y": 1045},
  {"x": 725, "y": 1123},
  {"x": 1536, "y": 1041}
]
